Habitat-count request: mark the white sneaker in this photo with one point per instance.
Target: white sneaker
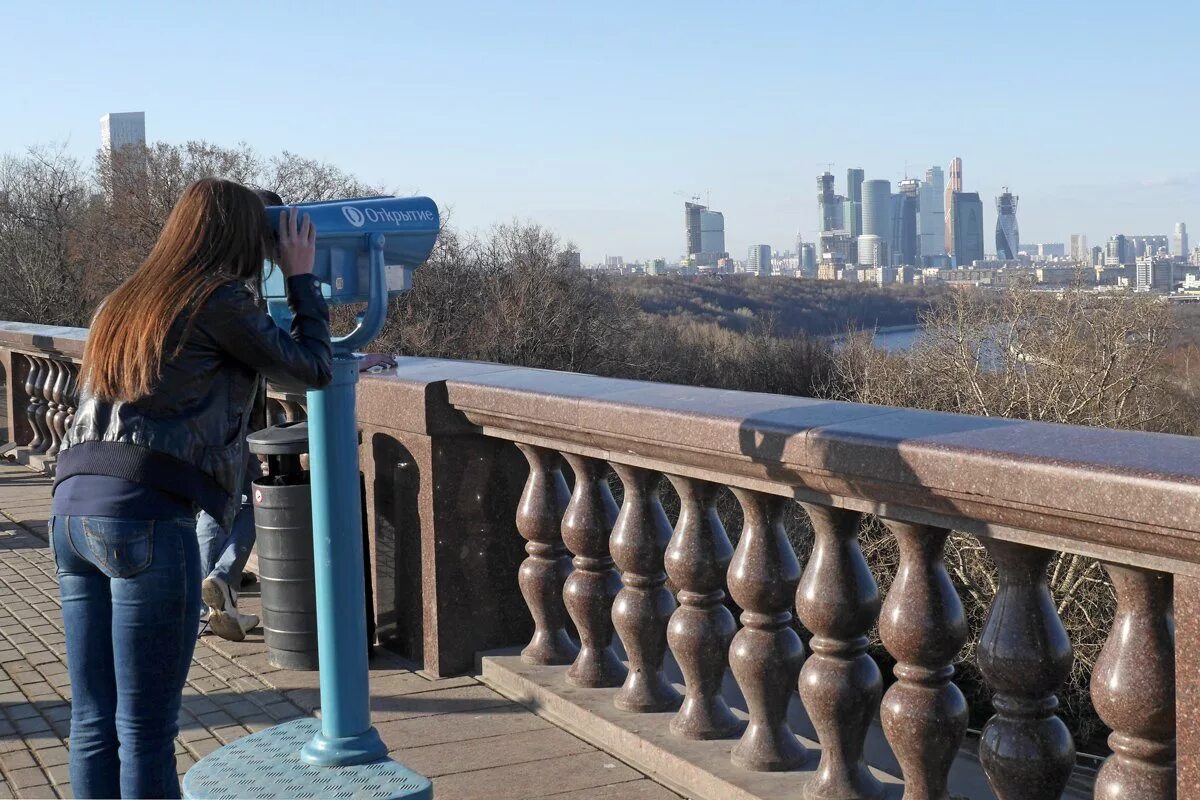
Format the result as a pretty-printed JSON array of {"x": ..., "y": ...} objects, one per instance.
[{"x": 223, "y": 617}]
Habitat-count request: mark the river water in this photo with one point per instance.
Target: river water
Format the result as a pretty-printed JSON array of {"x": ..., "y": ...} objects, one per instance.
[{"x": 891, "y": 339}]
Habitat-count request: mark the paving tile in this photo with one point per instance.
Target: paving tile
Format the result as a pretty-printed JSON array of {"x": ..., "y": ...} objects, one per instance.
[
  {"x": 497, "y": 751},
  {"x": 282, "y": 712},
  {"x": 27, "y": 778},
  {"x": 215, "y": 719},
  {"x": 633, "y": 790},
  {"x": 30, "y": 726},
  {"x": 202, "y": 747},
  {"x": 442, "y": 728},
  {"x": 52, "y": 756},
  {"x": 542, "y": 778},
  {"x": 59, "y": 774},
  {"x": 18, "y": 759},
  {"x": 230, "y": 733},
  {"x": 21, "y": 711}
]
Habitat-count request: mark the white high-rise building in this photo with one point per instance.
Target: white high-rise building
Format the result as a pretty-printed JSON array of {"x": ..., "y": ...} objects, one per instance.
[
  {"x": 1180, "y": 241},
  {"x": 121, "y": 130},
  {"x": 931, "y": 213},
  {"x": 758, "y": 260},
  {"x": 1079, "y": 248},
  {"x": 872, "y": 250}
]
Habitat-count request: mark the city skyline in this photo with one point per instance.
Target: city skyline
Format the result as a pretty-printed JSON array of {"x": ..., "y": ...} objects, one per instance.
[{"x": 579, "y": 118}]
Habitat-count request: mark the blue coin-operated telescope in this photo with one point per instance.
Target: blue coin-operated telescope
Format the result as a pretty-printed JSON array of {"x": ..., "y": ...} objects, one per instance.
[{"x": 367, "y": 250}]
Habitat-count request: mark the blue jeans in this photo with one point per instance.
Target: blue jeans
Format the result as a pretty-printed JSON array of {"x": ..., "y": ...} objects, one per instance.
[
  {"x": 222, "y": 554},
  {"x": 130, "y": 601}
]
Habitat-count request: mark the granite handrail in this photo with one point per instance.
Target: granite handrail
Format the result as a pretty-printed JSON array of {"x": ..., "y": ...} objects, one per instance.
[{"x": 1125, "y": 496}]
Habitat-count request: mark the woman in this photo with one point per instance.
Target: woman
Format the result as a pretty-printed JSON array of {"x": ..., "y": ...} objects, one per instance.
[{"x": 169, "y": 376}]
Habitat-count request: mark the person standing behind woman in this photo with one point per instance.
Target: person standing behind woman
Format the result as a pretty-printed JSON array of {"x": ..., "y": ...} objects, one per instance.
[{"x": 168, "y": 380}]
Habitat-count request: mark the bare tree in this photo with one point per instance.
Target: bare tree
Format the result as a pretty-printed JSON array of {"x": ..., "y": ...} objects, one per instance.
[
  {"x": 43, "y": 199},
  {"x": 509, "y": 297}
]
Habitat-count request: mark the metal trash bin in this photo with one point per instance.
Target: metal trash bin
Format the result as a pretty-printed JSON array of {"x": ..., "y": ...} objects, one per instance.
[{"x": 284, "y": 539}]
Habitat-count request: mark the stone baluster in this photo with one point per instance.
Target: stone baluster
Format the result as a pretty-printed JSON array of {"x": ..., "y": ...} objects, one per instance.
[
  {"x": 840, "y": 685},
  {"x": 33, "y": 412},
  {"x": 701, "y": 629},
  {"x": 48, "y": 408},
  {"x": 51, "y": 406},
  {"x": 292, "y": 410},
  {"x": 922, "y": 625},
  {"x": 544, "y": 572},
  {"x": 593, "y": 584},
  {"x": 72, "y": 398},
  {"x": 57, "y": 415},
  {"x": 1025, "y": 655},
  {"x": 1133, "y": 689},
  {"x": 644, "y": 605},
  {"x": 766, "y": 654}
]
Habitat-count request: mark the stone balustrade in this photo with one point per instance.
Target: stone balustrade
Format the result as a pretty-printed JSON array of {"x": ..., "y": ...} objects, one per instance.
[
  {"x": 40, "y": 368},
  {"x": 494, "y": 525}
]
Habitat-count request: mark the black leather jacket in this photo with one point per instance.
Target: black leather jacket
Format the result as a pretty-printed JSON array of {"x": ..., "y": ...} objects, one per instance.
[{"x": 188, "y": 435}]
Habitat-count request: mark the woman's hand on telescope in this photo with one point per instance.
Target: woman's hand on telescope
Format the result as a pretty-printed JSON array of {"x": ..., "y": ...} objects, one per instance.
[{"x": 297, "y": 243}]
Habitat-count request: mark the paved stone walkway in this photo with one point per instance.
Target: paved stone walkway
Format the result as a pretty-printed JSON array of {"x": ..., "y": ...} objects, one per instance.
[{"x": 471, "y": 741}]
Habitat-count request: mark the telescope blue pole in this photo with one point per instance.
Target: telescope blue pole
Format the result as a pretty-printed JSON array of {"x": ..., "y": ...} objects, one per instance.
[{"x": 346, "y": 735}]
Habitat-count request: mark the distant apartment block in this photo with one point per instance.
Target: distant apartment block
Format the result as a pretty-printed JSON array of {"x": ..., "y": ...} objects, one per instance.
[
  {"x": 758, "y": 260},
  {"x": 1155, "y": 274}
]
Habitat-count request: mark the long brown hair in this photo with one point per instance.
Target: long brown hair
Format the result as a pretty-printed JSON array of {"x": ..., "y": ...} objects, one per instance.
[{"x": 217, "y": 232}]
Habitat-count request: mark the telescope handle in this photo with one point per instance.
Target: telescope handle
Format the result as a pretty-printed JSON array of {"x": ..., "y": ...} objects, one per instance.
[{"x": 371, "y": 320}]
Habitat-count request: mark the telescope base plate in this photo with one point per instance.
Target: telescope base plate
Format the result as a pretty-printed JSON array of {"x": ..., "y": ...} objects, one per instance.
[{"x": 268, "y": 764}]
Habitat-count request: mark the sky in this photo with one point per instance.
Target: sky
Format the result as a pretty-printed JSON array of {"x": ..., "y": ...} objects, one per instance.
[{"x": 597, "y": 120}]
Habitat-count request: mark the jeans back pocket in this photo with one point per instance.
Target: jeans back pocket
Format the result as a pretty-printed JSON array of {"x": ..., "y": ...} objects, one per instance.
[{"x": 121, "y": 548}]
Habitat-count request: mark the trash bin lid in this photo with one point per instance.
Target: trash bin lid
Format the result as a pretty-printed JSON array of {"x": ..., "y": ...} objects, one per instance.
[{"x": 288, "y": 438}]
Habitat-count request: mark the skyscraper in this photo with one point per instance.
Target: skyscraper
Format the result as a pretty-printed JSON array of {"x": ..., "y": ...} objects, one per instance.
[
  {"x": 121, "y": 130},
  {"x": 829, "y": 205},
  {"x": 955, "y": 185},
  {"x": 691, "y": 221},
  {"x": 877, "y": 213},
  {"x": 1116, "y": 251},
  {"x": 931, "y": 214},
  {"x": 854, "y": 184},
  {"x": 1140, "y": 245},
  {"x": 905, "y": 244},
  {"x": 758, "y": 260},
  {"x": 852, "y": 215},
  {"x": 1008, "y": 239},
  {"x": 967, "y": 213},
  {"x": 808, "y": 260},
  {"x": 1181, "y": 240},
  {"x": 712, "y": 234},
  {"x": 1079, "y": 248}
]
